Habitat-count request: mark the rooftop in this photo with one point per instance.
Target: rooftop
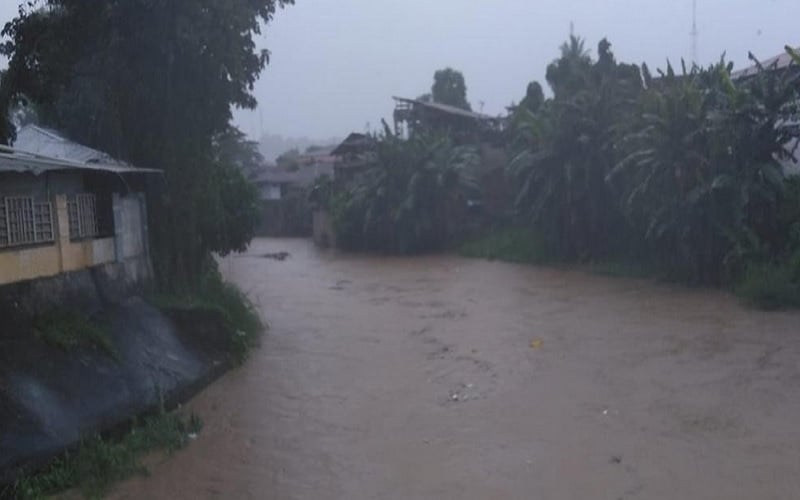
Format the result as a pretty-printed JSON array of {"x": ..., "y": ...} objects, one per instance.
[
  {"x": 445, "y": 108},
  {"x": 38, "y": 150},
  {"x": 780, "y": 61}
]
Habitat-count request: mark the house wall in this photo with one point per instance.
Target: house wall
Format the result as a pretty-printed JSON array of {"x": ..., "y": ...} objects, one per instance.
[
  {"x": 324, "y": 235},
  {"x": 130, "y": 226},
  {"x": 41, "y": 186},
  {"x": 128, "y": 246},
  {"x": 271, "y": 192},
  {"x": 29, "y": 264}
]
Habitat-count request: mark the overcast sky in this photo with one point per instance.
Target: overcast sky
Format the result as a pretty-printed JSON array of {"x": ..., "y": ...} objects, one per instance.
[{"x": 336, "y": 63}]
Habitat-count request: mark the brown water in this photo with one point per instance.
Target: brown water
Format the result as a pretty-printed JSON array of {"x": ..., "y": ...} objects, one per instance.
[{"x": 444, "y": 378}]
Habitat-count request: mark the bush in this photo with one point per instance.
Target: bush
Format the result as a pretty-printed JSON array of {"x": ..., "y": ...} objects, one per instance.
[
  {"x": 99, "y": 462},
  {"x": 511, "y": 245},
  {"x": 212, "y": 293},
  {"x": 70, "y": 330},
  {"x": 772, "y": 286}
]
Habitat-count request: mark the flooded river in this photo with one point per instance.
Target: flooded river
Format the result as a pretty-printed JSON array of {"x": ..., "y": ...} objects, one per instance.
[{"x": 444, "y": 378}]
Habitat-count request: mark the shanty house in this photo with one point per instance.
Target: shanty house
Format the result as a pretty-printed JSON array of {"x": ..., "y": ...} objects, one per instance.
[{"x": 65, "y": 207}]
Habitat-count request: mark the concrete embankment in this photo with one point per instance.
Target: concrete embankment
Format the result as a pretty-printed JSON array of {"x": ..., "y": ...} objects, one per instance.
[{"x": 51, "y": 398}]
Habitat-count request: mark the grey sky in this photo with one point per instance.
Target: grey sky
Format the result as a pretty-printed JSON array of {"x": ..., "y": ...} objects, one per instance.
[{"x": 336, "y": 64}]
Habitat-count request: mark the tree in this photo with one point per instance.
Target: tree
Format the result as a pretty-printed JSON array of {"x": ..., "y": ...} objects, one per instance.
[
  {"x": 152, "y": 82},
  {"x": 534, "y": 97},
  {"x": 564, "y": 150},
  {"x": 449, "y": 88},
  {"x": 407, "y": 201},
  {"x": 700, "y": 178}
]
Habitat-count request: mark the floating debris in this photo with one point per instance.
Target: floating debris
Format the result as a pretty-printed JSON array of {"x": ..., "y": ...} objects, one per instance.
[{"x": 281, "y": 256}]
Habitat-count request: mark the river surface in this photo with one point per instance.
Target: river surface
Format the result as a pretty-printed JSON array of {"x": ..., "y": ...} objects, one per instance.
[{"x": 444, "y": 378}]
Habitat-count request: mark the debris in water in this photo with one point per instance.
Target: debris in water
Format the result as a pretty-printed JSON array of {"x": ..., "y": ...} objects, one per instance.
[
  {"x": 537, "y": 344},
  {"x": 616, "y": 459},
  {"x": 281, "y": 256}
]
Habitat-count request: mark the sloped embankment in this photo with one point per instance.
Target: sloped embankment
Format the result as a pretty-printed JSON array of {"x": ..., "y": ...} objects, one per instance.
[{"x": 52, "y": 397}]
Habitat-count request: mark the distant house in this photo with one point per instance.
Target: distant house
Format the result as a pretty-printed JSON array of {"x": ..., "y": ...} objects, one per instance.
[
  {"x": 284, "y": 191},
  {"x": 471, "y": 127},
  {"x": 355, "y": 154},
  {"x": 782, "y": 63},
  {"x": 65, "y": 207},
  {"x": 276, "y": 183}
]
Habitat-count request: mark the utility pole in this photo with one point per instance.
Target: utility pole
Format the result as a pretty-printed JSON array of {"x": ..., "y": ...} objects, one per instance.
[{"x": 695, "y": 33}]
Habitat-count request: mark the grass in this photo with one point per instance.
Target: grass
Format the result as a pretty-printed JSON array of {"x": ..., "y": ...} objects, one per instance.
[
  {"x": 771, "y": 286},
  {"x": 214, "y": 294},
  {"x": 70, "y": 330},
  {"x": 510, "y": 245},
  {"x": 98, "y": 463}
]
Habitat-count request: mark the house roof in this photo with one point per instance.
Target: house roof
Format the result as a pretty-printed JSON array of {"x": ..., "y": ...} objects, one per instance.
[
  {"x": 304, "y": 176},
  {"x": 39, "y": 150},
  {"x": 355, "y": 143},
  {"x": 780, "y": 61},
  {"x": 446, "y": 108}
]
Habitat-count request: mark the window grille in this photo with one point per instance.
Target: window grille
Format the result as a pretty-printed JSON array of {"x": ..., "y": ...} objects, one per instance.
[
  {"x": 82, "y": 213},
  {"x": 24, "y": 221}
]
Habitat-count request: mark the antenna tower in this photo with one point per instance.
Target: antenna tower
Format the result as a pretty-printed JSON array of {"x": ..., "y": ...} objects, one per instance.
[{"x": 695, "y": 33}]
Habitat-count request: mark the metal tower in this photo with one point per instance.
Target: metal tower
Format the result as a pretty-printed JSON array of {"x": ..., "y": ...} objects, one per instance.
[{"x": 695, "y": 34}]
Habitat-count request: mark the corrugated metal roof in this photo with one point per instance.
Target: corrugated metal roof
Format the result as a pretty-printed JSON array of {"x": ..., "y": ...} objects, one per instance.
[
  {"x": 39, "y": 150},
  {"x": 12, "y": 160},
  {"x": 778, "y": 62},
  {"x": 354, "y": 143},
  {"x": 445, "y": 108},
  {"x": 47, "y": 142}
]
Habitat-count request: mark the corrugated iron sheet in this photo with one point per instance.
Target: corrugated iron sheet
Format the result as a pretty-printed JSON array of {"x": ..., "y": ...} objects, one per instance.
[{"x": 39, "y": 150}]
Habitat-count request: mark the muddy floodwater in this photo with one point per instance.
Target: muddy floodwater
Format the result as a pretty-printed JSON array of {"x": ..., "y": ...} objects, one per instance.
[{"x": 444, "y": 378}]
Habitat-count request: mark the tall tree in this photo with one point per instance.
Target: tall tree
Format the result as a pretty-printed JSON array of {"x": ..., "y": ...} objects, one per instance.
[
  {"x": 566, "y": 149},
  {"x": 152, "y": 82},
  {"x": 450, "y": 88}
]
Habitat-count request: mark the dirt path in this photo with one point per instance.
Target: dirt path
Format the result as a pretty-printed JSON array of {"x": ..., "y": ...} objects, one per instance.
[{"x": 445, "y": 378}]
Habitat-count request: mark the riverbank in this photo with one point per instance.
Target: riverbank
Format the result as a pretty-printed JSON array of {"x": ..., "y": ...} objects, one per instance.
[{"x": 52, "y": 396}]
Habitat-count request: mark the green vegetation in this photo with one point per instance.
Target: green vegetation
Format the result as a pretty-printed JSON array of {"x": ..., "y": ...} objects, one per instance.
[
  {"x": 771, "y": 286},
  {"x": 100, "y": 462},
  {"x": 409, "y": 200},
  {"x": 70, "y": 330},
  {"x": 211, "y": 293},
  {"x": 680, "y": 172},
  {"x": 511, "y": 245},
  {"x": 135, "y": 79},
  {"x": 677, "y": 177}
]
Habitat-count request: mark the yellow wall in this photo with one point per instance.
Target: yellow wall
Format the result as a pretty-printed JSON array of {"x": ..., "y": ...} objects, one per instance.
[
  {"x": 41, "y": 262},
  {"x": 83, "y": 254},
  {"x": 30, "y": 263},
  {"x": 61, "y": 256}
]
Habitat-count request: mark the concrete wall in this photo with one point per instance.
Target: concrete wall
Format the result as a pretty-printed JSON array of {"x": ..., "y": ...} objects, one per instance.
[
  {"x": 29, "y": 264},
  {"x": 64, "y": 256},
  {"x": 130, "y": 226},
  {"x": 324, "y": 236}
]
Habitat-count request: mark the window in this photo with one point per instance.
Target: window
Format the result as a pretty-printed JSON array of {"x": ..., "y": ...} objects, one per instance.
[
  {"x": 82, "y": 211},
  {"x": 23, "y": 221}
]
